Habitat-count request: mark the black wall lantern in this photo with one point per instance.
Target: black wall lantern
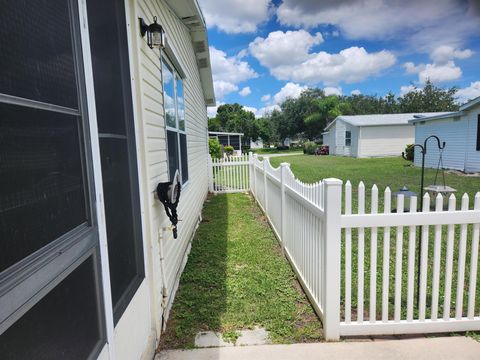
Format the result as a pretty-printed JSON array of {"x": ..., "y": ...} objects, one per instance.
[{"x": 155, "y": 33}]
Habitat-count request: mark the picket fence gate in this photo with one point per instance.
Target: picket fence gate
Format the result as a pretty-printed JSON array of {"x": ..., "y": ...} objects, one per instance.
[{"x": 321, "y": 239}]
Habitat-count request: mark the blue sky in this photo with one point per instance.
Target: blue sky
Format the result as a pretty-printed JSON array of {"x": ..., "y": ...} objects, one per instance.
[{"x": 264, "y": 51}]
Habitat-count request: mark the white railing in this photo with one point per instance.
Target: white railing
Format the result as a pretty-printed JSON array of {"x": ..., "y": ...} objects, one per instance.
[
  {"x": 230, "y": 174},
  {"x": 359, "y": 267},
  {"x": 442, "y": 297}
]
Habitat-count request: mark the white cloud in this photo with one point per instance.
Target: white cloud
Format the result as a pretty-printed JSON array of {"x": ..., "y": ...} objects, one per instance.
[
  {"x": 223, "y": 88},
  {"x": 329, "y": 90},
  {"x": 439, "y": 73},
  {"x": 468, "y": 93},
  {"x": 263, "y": 110},
  {"x": 443, "y": 67},
  {"x": 289, "y": 90},
  {"x": 266, "y": 97},
  {"x": 245, "y": 91},
  {"x": 236, "y": 16},
  {"x": 405, "y": 89},
  {"x": 228, "y": 71},
  {"x": 287, "y": 55},
  {"x": 424, "y": 24},
  {"x": 445, "y": 53},
  {"x": 212, "y": 110},
  {"x": 284, "y": 48},
  {"x": 355, "y": 92}
]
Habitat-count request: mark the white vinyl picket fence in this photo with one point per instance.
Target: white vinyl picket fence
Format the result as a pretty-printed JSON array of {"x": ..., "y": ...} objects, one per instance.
[{"x": 359, "y": 267}]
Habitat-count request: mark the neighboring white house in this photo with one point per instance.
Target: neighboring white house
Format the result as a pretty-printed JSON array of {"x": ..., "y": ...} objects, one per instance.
[
  {"x": 228, "y": 138},
  {"x": 256, "y": 144},
  {"x": 92, "y": 119},
  {"x": 459, "y": 130},
  {"x": 370, "y": 135}
]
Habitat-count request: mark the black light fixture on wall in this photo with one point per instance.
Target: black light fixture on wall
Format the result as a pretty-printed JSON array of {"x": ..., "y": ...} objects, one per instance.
[{"x": 155, "y": 33}]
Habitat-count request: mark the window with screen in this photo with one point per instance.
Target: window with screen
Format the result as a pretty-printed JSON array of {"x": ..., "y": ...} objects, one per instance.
[
  {"x": 108, "y": 43},
  {"x": 48, "y": 230},
  {"x": 348, "y": 138},
  {"x": 174, "y": 103}
]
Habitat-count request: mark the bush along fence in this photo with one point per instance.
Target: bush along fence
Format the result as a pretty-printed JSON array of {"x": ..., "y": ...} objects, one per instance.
[{"x": 360, "y": 268}]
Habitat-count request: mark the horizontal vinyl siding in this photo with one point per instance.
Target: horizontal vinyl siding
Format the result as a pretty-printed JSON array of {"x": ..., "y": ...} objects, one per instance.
[
  {"x": 340, "y": 137},
  {"x": 378, "y": 141},
  {"x": 473, "y": 155},
  {"x": 452, "y": 132},
  {"x": 151, "y": 114}
]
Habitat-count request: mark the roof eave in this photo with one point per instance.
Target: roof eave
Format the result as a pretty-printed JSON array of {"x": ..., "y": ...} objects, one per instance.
[
  {"x": 437, "y": 117},
  {"x": 189, "y": 12},
  {"x": 470, "y": 104}
]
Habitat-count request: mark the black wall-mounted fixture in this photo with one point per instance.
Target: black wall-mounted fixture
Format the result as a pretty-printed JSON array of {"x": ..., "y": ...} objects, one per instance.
[
  {"x": 169, "y": 195},
  {"x": 155, "y": 33}
]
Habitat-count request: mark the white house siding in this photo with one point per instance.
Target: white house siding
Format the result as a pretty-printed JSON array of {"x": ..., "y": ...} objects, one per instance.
[
  {"x": 140, "y": 325},
  {"x": 472, "y": 158},
  {"x": 378, "y": 141},
  {"x": 454, "y": 135}
]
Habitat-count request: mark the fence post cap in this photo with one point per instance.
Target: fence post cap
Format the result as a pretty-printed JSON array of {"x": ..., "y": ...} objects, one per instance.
[{"x": 333, "y": 181}]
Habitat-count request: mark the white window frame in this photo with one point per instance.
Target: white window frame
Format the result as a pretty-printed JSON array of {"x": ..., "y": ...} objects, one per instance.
[{"x": 177, "y": 130}]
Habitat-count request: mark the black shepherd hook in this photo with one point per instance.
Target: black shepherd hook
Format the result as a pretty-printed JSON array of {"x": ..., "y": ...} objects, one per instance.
[{"x": 423, "y": 150}]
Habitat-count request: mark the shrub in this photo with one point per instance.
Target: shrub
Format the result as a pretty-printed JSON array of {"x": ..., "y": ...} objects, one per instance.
[
  {"x": 283, "y": 147},
  {"x": 214, "y": 148},
  {"x": 309, "y": 148},
  {"x": 409, "y": 151},
  {"x": 229, "y": 150}
]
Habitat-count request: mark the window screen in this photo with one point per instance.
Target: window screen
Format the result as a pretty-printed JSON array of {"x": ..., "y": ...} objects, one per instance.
[
  {"x": 65, "y": 324},
  {"x": 36, "y": 59},
  {"x": 223, "y": 139},
  {"x": 235, "y": 141},
  {"x": 111, "y": 74},
  {"x": 42, "y": 194}
]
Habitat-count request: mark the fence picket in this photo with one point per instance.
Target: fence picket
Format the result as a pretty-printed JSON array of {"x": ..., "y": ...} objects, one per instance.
[
  {"x": 424, "y": 262},
  {"x": 461, "y": 263},
  {"x": 348, "y": 255},
  {"x": 386, "y": 257},
  {"x": 449, "y": 261},
  {"x": 373, "y": 259},
  {"x": 436, "y": 260},
  {"x": 411, "y": 261},
  {"x": 474, "y": 262},
  {"x": 398, "y": 262},
  {"x": 361, "y": 254}
]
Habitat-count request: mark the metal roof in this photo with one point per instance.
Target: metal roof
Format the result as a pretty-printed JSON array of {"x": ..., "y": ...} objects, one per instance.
[
  {"x": 223, "y": 133},
  {"x": 382, "y": 119},
  {"x": 452, "y": 114}
]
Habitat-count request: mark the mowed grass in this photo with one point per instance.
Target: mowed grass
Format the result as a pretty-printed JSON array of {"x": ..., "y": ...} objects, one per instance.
[
  {"x": 236, "y": 278},
  {"x": 392, "y": 172},
  {"x": 264, "y": 151}
]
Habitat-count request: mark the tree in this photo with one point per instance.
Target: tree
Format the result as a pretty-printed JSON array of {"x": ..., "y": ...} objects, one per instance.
[
  {"x": 296, "y": 110},
  {"x": 214, "y": 124},
  {"x": 429, "y": 99},
  {"x": 234, "y": 118},
  {"x": 326, "y": 109}
]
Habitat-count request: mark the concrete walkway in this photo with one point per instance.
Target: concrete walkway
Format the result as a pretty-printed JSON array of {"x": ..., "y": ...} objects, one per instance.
[{"x": 447, "y": 348}]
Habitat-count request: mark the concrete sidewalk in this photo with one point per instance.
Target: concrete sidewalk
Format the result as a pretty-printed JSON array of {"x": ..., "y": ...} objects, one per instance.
[{"x": 447, "y": 348}]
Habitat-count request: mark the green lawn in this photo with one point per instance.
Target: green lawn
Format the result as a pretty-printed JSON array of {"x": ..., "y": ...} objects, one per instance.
[
  {"x": 275, "y": 151},
  {"x": 236, "y": 278},
  {"x": 393, "y": 172},
  {"x": 389, "y": 172}
]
